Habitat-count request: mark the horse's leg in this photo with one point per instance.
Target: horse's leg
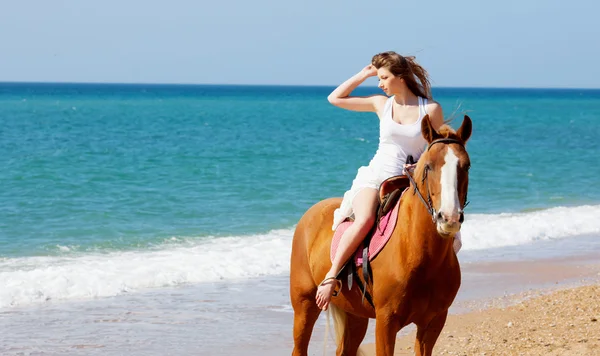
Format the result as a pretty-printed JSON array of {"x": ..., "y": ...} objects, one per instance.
[
  {"x": 356, "y": 328},
  {"x": 428, "y": 335},
  {"x": 306, "y": 314},
  {"x": 350, "y": 330},
  {"x": 302, "y": 291},
  {"x": 386, "y": 328}
]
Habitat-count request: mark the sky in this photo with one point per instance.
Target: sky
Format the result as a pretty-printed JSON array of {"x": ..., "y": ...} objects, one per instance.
[{"x": 462, "y": 43}]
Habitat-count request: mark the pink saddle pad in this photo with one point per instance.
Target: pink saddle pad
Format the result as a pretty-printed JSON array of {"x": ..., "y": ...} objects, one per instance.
[{"x": 379, "y": 238}]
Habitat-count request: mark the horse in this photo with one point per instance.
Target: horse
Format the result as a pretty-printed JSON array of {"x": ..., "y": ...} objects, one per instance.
[{"x": 415, "y": 277}]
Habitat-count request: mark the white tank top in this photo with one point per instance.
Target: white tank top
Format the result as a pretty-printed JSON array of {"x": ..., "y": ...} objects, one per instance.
[{"x": 397, "y": 142}]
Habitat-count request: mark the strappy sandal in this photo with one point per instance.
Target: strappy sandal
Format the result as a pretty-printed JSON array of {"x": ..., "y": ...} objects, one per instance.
[{"x": 339, "y": 285}]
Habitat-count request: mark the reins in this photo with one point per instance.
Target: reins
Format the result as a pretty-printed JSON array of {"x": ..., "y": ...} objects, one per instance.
[{"x": 428, "y": 203}]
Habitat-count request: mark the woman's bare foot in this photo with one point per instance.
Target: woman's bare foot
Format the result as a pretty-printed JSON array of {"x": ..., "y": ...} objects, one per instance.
[{"x": 325, "y": 291}]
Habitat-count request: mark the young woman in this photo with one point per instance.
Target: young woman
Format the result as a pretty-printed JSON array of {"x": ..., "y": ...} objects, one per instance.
[{"x": 406, "y": 101}]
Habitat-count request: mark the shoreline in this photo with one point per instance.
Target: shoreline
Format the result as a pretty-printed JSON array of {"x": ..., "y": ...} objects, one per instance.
[
  {"x": 563, "y": 322},
  {"x": 556, "y": 312},
  {"x": 253, "y": 316}
]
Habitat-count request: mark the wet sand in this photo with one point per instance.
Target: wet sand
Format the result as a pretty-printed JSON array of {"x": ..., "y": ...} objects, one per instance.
[{"x": 253, "y": 317}]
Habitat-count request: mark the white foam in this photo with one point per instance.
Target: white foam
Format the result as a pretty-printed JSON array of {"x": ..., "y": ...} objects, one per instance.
[
  {"x": 184, "y": 260},
  {"x": 38, "y": 279},
  {"x": 481, "y": 231}
]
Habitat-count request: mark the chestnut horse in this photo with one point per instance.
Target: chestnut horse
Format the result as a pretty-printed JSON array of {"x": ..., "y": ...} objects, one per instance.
[{"x": 415, "y": 277}]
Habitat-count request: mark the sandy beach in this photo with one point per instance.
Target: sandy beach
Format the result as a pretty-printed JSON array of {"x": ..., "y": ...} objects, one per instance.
[
  {"x": 561, "y": 320},
  {"x": 523, "y": 300}
]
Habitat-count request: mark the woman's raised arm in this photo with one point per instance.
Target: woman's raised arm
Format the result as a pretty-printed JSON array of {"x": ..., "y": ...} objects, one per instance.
[{"x": 341, "y": 98}]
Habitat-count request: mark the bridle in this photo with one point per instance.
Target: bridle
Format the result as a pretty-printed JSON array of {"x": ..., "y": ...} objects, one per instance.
[{"x": 428, "y": 203}]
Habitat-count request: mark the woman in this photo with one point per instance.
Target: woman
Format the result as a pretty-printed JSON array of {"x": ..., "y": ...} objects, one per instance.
[{"x": 407, "y": 85}]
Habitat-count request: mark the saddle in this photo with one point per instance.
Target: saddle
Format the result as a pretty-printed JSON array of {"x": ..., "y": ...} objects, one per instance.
[{"x": 390, "y": 192}]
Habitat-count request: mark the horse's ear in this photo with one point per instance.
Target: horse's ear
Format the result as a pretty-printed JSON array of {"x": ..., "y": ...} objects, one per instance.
[
  {"x": 464, "y": 132},
  {"x": 428, "y": 131}
]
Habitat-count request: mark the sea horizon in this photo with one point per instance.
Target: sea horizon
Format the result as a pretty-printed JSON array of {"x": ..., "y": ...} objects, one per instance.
[{"x": 259, "y": 85}]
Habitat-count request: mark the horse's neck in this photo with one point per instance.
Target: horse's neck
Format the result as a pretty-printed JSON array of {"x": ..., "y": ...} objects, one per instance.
[{"x": 419, "y": 233}]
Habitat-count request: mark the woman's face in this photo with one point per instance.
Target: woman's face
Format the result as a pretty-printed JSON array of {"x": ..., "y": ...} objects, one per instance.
[{"x": 388, "y": 82}]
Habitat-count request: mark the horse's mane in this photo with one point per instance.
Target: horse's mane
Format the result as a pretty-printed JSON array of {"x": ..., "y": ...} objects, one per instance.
[{"x": 448, "y": 132}]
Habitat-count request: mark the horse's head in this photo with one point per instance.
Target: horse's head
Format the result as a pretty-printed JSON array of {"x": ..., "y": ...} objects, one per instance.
[{"x": 442, "y": 174}]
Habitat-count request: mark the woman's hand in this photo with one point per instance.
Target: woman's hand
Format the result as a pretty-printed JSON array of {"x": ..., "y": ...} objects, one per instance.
[
  {"x": 409, "y": 167},
  {"x": 369, "y": 71},
  {"x": 341, "y": 98}
]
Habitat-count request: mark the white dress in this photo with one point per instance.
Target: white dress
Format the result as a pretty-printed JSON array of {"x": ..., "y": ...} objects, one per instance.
[{"x": 396, "y": 143}]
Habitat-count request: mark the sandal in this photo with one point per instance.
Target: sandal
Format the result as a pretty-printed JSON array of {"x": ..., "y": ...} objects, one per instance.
[{"x": 339, "y": 285}]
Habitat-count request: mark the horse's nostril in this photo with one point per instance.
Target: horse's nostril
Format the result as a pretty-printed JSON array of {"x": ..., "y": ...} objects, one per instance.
[
  {"x": 461, "y": 218},
  {"x": 439, "y": 216}
]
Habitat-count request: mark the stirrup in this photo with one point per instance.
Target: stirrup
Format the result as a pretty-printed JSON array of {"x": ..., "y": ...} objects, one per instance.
[{"x": 339, "y": 285}]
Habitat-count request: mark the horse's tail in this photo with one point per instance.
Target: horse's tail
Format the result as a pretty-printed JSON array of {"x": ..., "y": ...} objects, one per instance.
[{"x": 339, "y": 325}]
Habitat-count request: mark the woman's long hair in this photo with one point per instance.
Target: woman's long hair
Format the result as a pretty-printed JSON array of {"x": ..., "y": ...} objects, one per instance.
[{"x": 407, "y": 68}]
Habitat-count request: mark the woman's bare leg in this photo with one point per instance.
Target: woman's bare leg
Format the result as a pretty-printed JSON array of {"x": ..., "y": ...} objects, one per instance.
[{"x": 364, "y": 206}]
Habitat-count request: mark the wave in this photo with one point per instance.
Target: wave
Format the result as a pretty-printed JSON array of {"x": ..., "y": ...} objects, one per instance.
[
  {"x": 483, "y": 231},
  {"x": 28, "y": 280}
]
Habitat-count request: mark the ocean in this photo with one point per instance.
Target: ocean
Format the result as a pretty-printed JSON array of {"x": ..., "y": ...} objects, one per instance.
[{"x": 116, "y": 195}]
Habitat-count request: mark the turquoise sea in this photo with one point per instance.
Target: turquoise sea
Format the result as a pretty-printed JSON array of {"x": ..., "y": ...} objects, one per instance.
[
  {"x": 110, "y": 189},
  {"x": 106, "y": 169}
]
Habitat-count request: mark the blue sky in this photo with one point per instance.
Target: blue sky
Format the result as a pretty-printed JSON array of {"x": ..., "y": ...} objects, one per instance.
[{"x": 507, "y": 43}]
